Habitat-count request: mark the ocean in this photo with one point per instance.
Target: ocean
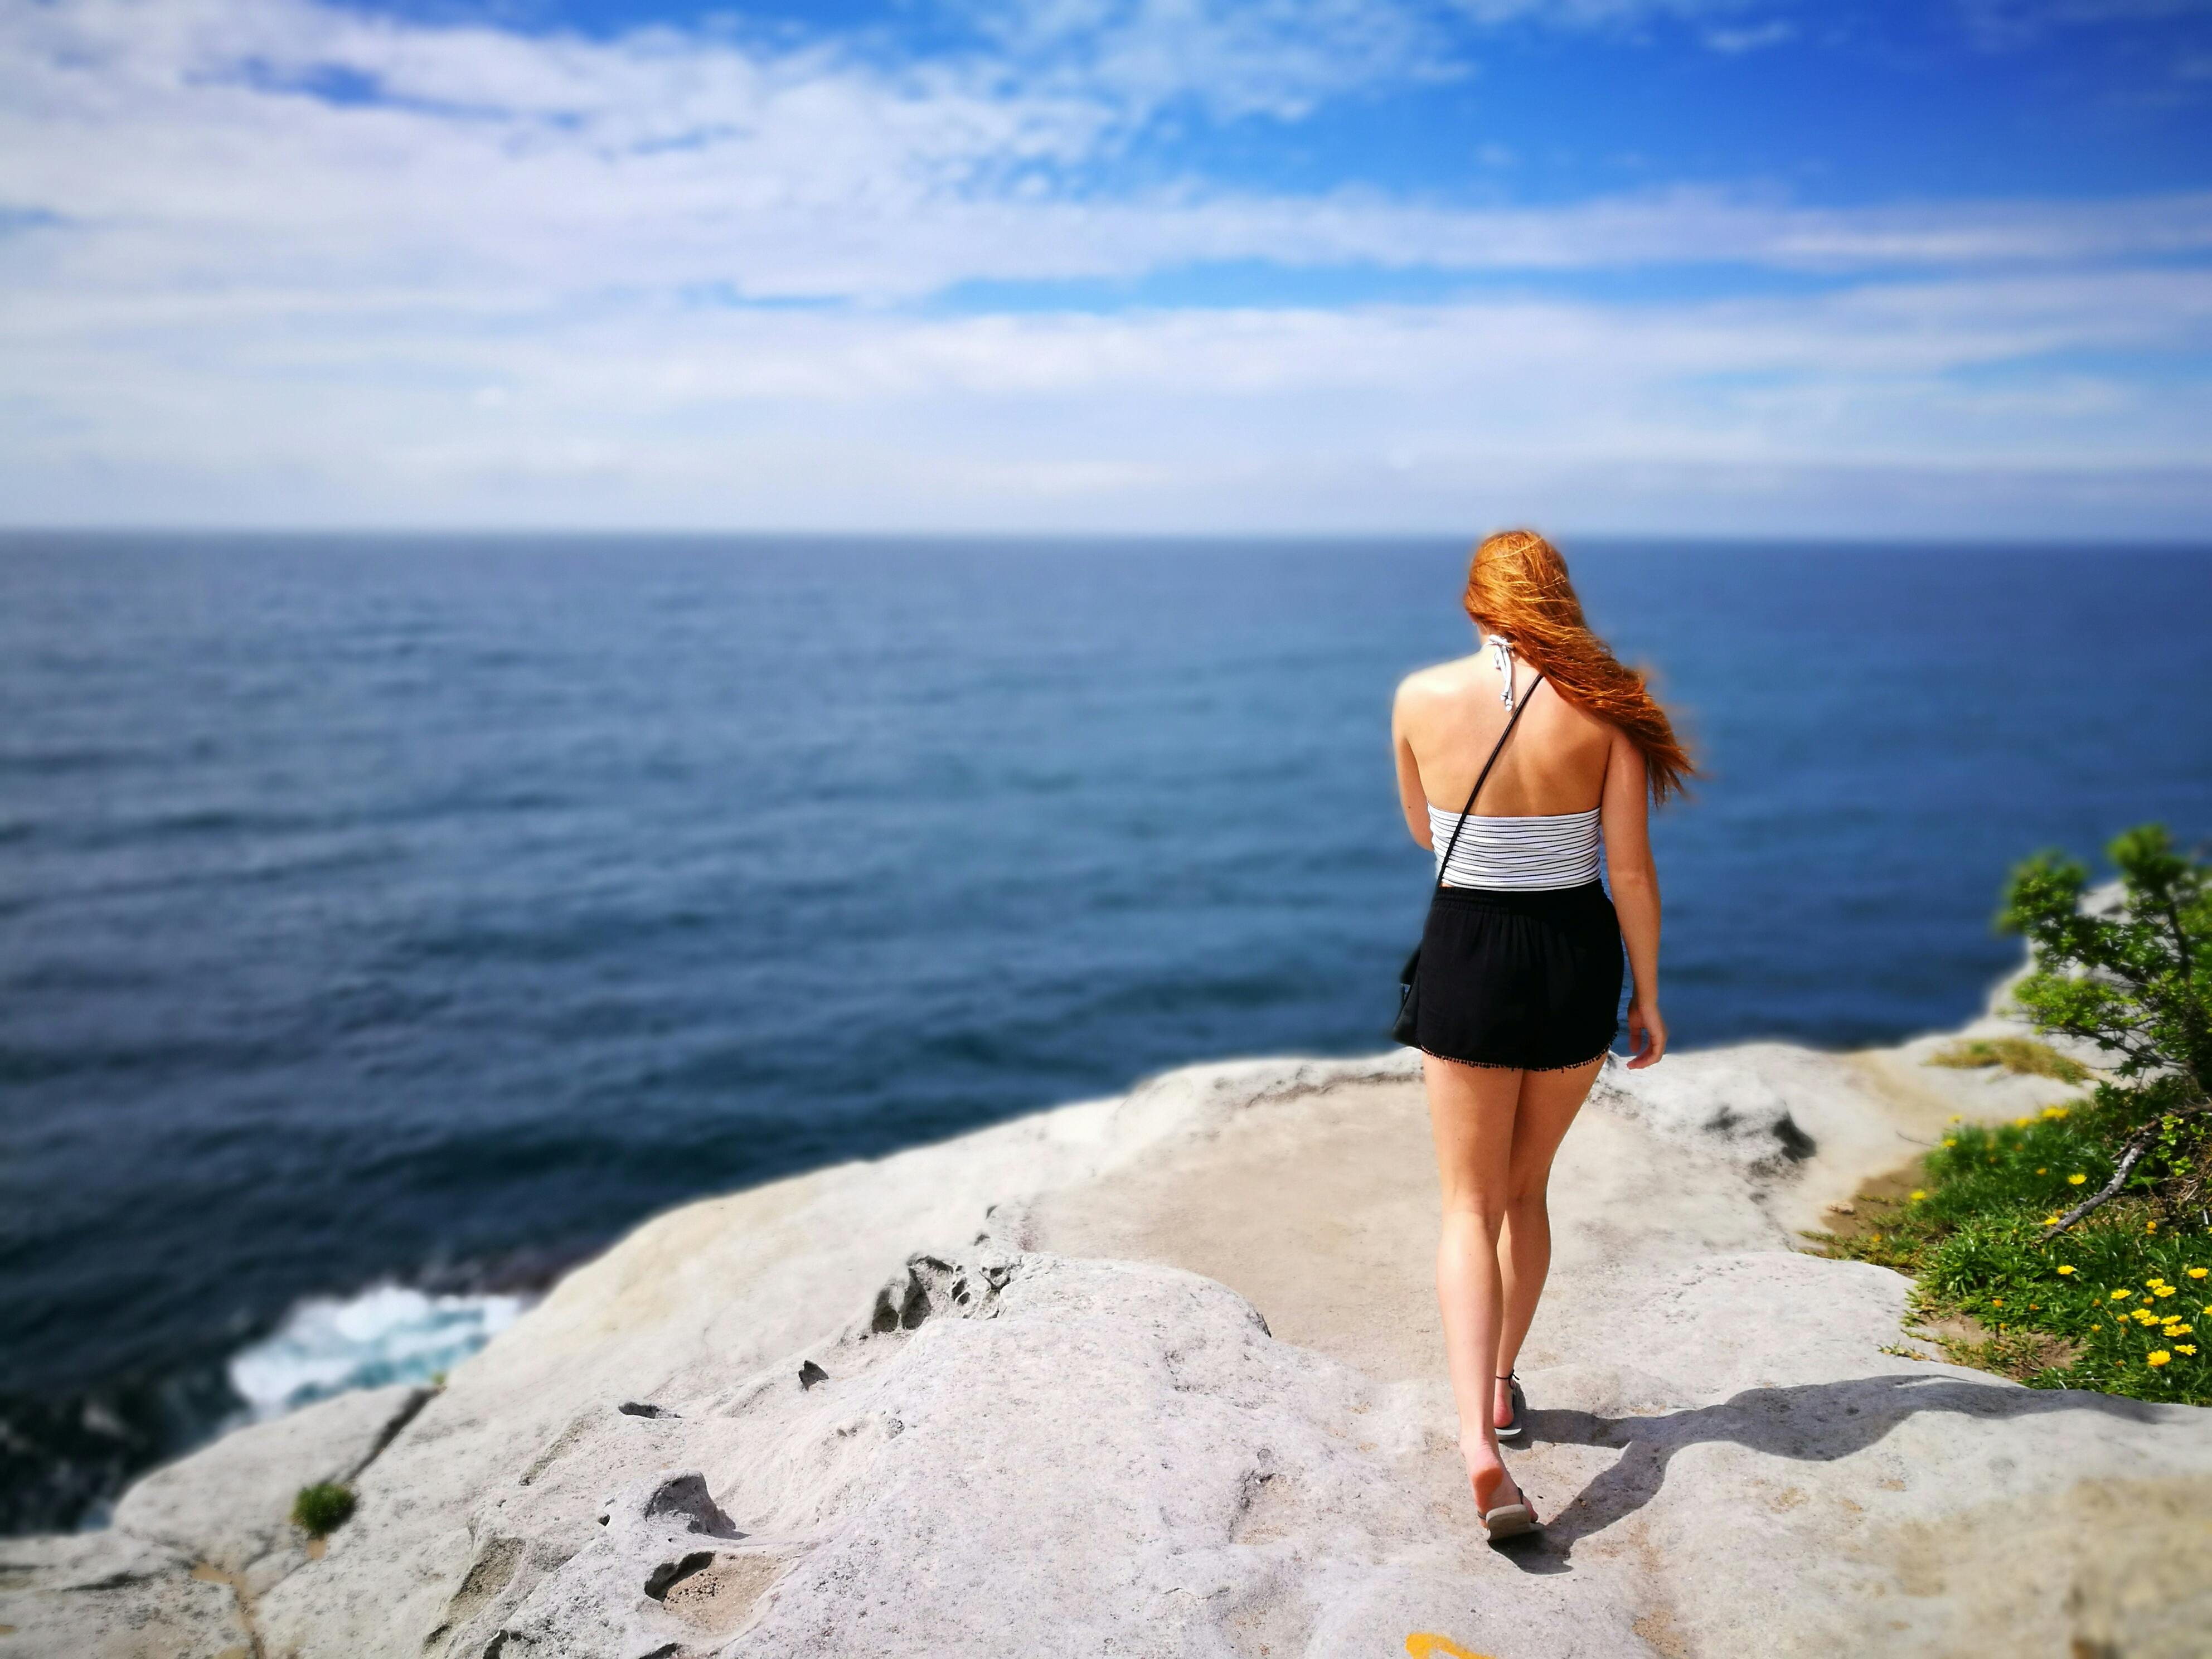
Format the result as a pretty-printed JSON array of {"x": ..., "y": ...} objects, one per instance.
[{"x": 385, "y": 921}]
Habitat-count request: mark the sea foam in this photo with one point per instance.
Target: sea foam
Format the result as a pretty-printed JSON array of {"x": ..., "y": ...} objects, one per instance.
[{"x": 389, "y": 1334}]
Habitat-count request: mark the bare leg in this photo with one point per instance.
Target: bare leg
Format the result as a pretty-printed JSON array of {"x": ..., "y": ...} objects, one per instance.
[
  {"x": 1547, "y": 1103},
  {"x": 1471, "y": 1112}
]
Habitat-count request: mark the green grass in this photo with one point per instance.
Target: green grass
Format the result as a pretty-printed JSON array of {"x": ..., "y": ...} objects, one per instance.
[
  {"x": 2063, "y": 1315},
  {"x": 322, "y": 1509},
  {"x": 2024, "y": 1055}
]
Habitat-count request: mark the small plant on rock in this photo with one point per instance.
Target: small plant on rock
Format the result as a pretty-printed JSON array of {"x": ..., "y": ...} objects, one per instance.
[
  {"x": 2117, "y": 1304},
  {"x": 322, "y": 1509},
  {"x": 2023, "y": 1056}
]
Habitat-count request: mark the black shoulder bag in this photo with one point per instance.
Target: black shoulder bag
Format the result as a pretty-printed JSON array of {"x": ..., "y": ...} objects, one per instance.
[{"x": 1402, "y": 1030}]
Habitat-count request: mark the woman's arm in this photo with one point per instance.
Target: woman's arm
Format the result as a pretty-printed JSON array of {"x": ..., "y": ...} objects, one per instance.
[
  {"x": 1635, "y": 882},
  {"x": 1413, "y": 800}
]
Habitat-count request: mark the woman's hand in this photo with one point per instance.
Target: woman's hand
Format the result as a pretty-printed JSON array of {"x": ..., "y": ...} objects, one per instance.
[{"x": 1647, "y": 1034}]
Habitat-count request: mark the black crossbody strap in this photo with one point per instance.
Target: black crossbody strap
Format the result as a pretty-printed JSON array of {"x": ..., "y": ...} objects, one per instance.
[{"x": 1451, "y": 846}]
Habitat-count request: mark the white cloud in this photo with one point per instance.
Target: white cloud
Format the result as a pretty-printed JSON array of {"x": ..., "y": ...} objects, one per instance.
[
  {"x": 1238, "y": 58},
  {"x": 1755, "y": 37},
  {"x": 1598, "y": 14},
  {"x": 659, "y": 414},
  {"x": 1280, "y": 58},
  {"x": 654, "y": 163},
  {"x": 478, "y": 300}
]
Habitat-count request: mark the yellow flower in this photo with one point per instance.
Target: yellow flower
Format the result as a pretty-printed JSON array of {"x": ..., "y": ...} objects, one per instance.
[
  {"x": 1918, "y": 1195},
  {"x": 1949, "y": 1141},
  {"x": 2054, "y": 1112},
  {"x": 2199, "y": 1272},
  {"x": 2021, "y": 1122},
  {"x": 2096, "y": 1328},
  {"x": 2053, "y": 1219},
  {"x": 2165, "y": 1290},
  {"x": 2160, "y": 1356},
  {"x": 2150, "y": 1226},
  {"x": 2122, "y": 1296},
  {"x": 1996, "y": 1302},
  {"x": 2066, "y": 1270},
  {"x": 2174, "y": 1329},
  {"x": 2042, "y": 1172},
  {"x": 2184, "y": 1347},
  {"x": 2075, "y": 1180}
]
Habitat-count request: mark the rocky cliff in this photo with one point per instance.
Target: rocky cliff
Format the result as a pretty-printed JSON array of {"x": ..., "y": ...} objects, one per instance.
[{"x": 1162, "y": 1375}]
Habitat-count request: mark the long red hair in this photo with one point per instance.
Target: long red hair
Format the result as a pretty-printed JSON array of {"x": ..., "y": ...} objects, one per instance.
[{"x": 1517, "y": 585}]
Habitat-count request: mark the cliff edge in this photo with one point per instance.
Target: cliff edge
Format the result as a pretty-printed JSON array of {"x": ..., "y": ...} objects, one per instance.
[{"x": 1162, "y": 1375}]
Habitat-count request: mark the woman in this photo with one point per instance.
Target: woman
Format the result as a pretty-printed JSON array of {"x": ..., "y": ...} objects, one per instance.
[{"x": 1516, "y": 999}]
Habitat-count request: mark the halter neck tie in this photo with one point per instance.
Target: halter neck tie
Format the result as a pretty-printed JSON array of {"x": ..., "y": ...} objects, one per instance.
[{"x": 1501, "y": 652}]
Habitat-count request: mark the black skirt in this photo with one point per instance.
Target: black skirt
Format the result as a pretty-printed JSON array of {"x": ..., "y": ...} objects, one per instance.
[{"x": 1526, "y": 980}]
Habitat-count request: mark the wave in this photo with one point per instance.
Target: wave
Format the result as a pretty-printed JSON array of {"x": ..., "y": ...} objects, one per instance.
[
  {"x": 387, "y": 1334},
  {"x": 65, "y": 1459}
]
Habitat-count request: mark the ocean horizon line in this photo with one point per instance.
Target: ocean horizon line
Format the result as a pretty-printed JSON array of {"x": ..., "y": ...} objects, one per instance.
[{"x": 1807, "y": 541}]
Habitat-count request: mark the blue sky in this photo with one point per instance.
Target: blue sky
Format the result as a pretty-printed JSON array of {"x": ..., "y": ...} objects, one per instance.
[
  {"x": 1843, "y": 104},
  {"x": 1751, "y": 266}
]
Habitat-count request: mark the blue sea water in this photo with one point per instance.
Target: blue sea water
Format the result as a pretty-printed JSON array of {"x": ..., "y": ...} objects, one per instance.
[{"x": 426, "y": 910}]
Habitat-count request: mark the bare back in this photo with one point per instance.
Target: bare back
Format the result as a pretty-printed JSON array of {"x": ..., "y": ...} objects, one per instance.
[{"x": 1449, "y": 717}]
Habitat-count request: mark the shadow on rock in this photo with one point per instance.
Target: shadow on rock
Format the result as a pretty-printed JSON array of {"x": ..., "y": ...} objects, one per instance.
[{"x": 1817, "y": 1423}]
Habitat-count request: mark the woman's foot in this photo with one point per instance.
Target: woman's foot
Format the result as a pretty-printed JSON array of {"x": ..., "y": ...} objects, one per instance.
[
  {"x": 1501, "y": 1411},
  {"x": 1504, "y": 1509},
  {"x": 1494, "y": 1486}
]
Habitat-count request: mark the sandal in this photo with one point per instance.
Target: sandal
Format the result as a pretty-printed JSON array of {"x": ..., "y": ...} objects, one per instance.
[
  {"x": 1510, "y": 1520},
  {"x": 1512, "y": 1430}
]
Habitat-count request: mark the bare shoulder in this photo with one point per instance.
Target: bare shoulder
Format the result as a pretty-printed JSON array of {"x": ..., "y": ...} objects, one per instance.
[
  {"x": 1624, "y": 774},
  {"x": 1594, "y": 728},
  {"x": 1439, "y": 683}
]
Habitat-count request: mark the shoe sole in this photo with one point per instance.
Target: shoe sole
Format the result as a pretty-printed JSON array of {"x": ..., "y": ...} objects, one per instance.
[{"x": 1509, "y": 1521}]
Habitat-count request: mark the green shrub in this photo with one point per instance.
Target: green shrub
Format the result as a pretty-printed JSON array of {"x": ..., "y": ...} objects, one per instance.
[
  {"x": 322, "y": 1509},
  {"x": 2136, "y": 981}
]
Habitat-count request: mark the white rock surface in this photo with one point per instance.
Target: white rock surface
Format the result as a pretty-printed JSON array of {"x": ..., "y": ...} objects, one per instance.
[
  {"x": 1162, "y": 1375},
  {"x": 228, "y": 1506},
  {"x": 111, "y": 1595}
]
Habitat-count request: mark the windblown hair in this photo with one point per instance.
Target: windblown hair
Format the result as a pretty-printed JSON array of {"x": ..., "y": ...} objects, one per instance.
[{"x": 1517, "y": 585}]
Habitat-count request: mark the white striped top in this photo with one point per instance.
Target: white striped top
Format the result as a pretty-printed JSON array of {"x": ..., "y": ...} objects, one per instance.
[{"x": 1559, "y": 850}]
